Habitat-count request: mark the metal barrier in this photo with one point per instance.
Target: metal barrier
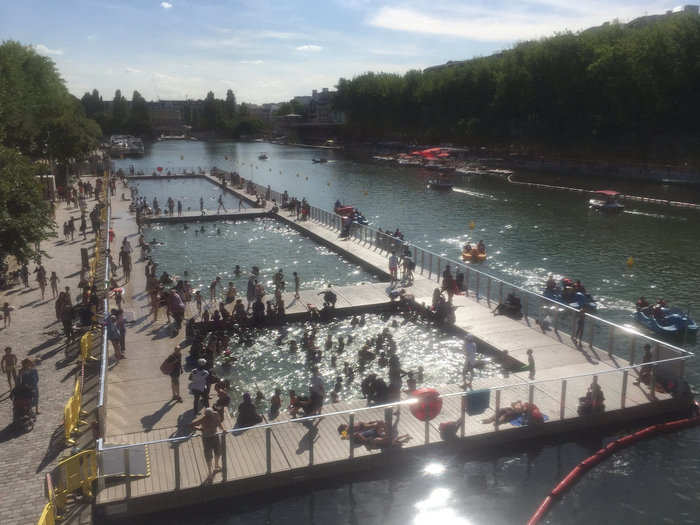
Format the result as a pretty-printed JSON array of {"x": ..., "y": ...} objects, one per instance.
[
  {"x": 557, "y": 399},
  {"x": 104, "y": 357}
]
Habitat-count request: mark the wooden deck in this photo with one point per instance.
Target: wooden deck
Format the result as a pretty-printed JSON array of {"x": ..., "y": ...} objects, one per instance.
[{"x": 139, "y": 408}]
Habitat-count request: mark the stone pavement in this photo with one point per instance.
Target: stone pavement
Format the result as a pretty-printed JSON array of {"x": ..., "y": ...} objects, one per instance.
[{"x": 25, "y": 459}]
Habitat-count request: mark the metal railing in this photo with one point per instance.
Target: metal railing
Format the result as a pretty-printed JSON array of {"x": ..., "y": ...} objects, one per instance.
[
  {"x": 104, "y": 358},
  {"x": 557, "y": 399}
]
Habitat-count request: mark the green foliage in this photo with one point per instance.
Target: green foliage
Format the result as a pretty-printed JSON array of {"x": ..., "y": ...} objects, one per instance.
[
  {"x": 139, "y": 121},
  {"x": 615, "y": 85},
  {"x": 25, "y": 218}
]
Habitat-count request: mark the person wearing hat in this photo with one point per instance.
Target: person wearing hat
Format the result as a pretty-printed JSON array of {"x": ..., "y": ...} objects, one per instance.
[
  {"x": 209, "y": 423},
  {"x": 198, "y": 384}
]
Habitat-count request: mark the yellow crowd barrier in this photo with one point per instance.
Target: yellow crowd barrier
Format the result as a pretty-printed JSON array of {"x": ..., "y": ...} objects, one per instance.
[
  {"x": 85, "y": 347},
  {"x": 48, "y": 515},
  {"x": 72, "y": 474},
  {"x": 72, "y": 413}
]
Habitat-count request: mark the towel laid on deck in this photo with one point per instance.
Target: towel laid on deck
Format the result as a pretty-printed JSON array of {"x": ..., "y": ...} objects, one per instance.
[{"x": 477, "y": 402}]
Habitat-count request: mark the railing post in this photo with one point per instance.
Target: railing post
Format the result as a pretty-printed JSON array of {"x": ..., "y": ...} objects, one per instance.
[
  {"x": 311, "y": 449},
  {"x": 525, "y": 303},
  {"x": 624, "y": 388},
  {"x": 498, "y": 408},
  {"x": 652, "y": 383},
  {"x": 427, "y": 431},
  {"x": 531, "y": 393},
  {"x": 466, "y": 281},
  {"x": 562, "y": 400},
  {"x": 465, "y": 407},
  {"x": 488, "y": 292},
  {"x": 422, "y": 261},
  {"x": 268, "y": 450},
  {"x": 556, "y": 320},
  {"x": 611, "y": 340},
  {"x": 351, "y": 424},
  {"x": 478, "y": 280},
  {"x": 438, "y": 270},
  {"x": 224, "y": 469},
  {"x": 430, "y": 269},
  {"x": 176, "y": 461},
  {"x": 681, "y": 368},
  {"x": 633, "y": 350},
  {"x": 590, "y": 342},
  {"x": 127, "y": 472},
  {"x": 388, "y": 422}
]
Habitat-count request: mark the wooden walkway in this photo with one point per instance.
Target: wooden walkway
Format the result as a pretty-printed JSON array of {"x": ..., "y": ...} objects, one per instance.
[{"x": 139, "y": 407}]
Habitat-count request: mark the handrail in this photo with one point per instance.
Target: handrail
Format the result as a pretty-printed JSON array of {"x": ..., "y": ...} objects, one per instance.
[
  {"x": 527, "y": 383},
  {"x": 104, "y": 360}
]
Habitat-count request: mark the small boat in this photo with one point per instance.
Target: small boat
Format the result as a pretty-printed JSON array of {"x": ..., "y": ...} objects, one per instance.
[
  {"x": 440, "y": 183},
  {"x": 320, "y": 161},
  {"x": 473, "y": 255},
  {"x": 344, "y": 211},
  {"x": 607, "y": 201},
  {"x": 666, "y": 321},
  {"x": 566, "y": 294},
  {"x": 262, "y": 156}
]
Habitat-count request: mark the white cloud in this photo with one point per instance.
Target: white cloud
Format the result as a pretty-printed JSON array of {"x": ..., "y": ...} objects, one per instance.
[
  {"x": 502, "y": 21},
  {"x": 166, "y": 5},
  {"x": 309, "y": 47},
  {"x": 132, "y": 70},
  {"x": 256, "y": 62},
  {"x": 43, "y": 50}
]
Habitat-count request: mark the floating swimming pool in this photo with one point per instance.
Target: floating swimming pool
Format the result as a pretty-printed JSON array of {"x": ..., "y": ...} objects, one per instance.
[
  {"x": 209, "y": 249},
  {"x": 188, "y": 191},
  {"x": 265, "y": 361}
]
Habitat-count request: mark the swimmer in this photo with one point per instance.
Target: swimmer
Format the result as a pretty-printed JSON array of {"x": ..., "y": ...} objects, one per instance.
[
  {"x": 218, "y": 231},
  {"x": 185, "y": 228},
  {"x": 202, "y": 229},
  {"x": 334, "y": 360},
  {"x": 354, "y": 321},
  {"x": 329, "y": 342},
  {"x": 341, "y": 344},
  {"x": 293, "y": 346},
  {"x": 237, "y": 271}
]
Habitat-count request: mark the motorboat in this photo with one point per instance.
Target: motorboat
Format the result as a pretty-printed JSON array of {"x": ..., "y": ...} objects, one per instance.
[
  {"x": 666, "y": 321},
  {"x": 566, "y": 293},
  {"x": 262, "y": 156},
  {"x": 320, "y": 161},
  {"x": 607, "y": 201},
  {"x": 351, "y": 212},
  {"x": 440, "y": 183}
]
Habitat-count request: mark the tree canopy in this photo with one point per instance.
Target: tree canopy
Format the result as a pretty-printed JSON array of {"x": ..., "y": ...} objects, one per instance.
[{"x": 616, "y": 86}]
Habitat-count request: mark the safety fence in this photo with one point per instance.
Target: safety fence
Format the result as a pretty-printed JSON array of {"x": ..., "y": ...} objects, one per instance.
[
  {"x": 79, "y": 471},
  {"x": 264, "y": 449}
]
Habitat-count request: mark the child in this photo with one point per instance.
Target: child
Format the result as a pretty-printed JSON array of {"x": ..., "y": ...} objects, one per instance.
[
  {"x": 9, "y": 366},
  {"x": 531, "y": 363},
  {"x": 6, "y": 309},
  {"x": 198, "y": 300}
]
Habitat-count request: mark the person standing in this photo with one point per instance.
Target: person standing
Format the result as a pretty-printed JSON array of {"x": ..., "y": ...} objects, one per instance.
[
  {"x": 580, "y": 322},
  {"x": 179, "y": 208},
  {"x": 9, "y": 366},
  {"x": 393, "y": 267},
  {"x": 531, "y": 363},
  {"x": 29, "y": 377},
  {"x": 469, "y": 358},
  {"x": 54, "y": 284},
  {"x": 296, "y": 285},
  {"x": 121, "y": 325},
  {"x": 173, "y": 367},
  {"x": 209, "y": 423},
  {"x": 198, "y": 384},
  {"x": 114, "y": 335},
  {"x": 317, "y": 392}
]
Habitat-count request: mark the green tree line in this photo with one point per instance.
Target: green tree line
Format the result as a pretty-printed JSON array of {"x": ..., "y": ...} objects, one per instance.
[
  {"x": 629, "y": 88},
  {"x": 42, "y": 127},
  {"x": 119, "y": 116}
]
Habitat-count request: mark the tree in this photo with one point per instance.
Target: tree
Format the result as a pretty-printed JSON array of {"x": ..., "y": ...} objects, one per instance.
[
  {"x": 25, "y": 218},
  {"x": 120, "y": 110},
  {"x": 230, "y": 106},
  {"x": 139, "y": 122}
]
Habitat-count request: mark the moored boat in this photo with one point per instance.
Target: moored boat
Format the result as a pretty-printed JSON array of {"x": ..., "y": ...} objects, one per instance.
[
  {"x": 571, "y": 294},
  {"x": 262, "y": 156},
  {"x": 441, "y": 183}
]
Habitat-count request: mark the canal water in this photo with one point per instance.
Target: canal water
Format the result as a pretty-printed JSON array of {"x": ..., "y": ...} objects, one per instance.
[{"x": 529, "y": 234}]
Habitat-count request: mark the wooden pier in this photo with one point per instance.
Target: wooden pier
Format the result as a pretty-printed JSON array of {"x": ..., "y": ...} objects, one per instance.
[{"x": 283, "y": 453}]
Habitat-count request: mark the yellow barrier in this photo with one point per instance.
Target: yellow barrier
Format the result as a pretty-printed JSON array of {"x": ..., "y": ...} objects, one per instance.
[
  {"x": 74, "y": 473},
  {"x": 72, "y": 413},
  {"x": 85, "y": 346},
  {"x": 48, "y": 515}
]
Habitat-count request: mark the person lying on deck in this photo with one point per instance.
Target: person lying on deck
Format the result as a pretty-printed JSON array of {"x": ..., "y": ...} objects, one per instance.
[
  {"x": 503, "y": 415},
  {"x": 372, "y": 434}
]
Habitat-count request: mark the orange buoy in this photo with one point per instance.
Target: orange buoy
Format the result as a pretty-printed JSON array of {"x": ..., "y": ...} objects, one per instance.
[{"x": 429, "y": 404}]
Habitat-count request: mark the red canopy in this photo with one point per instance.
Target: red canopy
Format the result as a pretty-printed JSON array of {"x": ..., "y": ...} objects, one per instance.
[
  {"x": 432, "y": 150},
  {"x": 610, "y": 193},
  {"x": 443, "y": 154}
]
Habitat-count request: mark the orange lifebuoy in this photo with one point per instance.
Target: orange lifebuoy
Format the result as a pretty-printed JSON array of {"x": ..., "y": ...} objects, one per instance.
[{"x": 429, "y": 404}]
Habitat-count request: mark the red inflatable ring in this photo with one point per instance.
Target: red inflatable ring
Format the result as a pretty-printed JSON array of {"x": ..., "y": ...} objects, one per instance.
[{"x": 429, "y": 404}]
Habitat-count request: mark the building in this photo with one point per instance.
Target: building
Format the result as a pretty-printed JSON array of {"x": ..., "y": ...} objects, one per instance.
[
  {"x": 167, "y": 117},
  {"x": 321, "y": 108}
]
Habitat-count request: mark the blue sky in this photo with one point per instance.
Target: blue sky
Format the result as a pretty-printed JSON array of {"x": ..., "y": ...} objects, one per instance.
[{"x": 269, "y": 51}]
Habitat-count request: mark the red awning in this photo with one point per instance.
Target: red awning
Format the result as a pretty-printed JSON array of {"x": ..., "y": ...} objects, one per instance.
[
  {"x": 432, "y": 150},
  {"x": 443, "y": 154},
  {"x": 610, "y": 193}
]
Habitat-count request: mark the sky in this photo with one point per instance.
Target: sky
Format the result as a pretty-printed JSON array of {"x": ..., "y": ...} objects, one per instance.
[{"x": 271, "y": 51}]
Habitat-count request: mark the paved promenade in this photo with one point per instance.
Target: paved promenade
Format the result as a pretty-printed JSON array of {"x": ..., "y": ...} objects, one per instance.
[{"x": 35, "y": 333}]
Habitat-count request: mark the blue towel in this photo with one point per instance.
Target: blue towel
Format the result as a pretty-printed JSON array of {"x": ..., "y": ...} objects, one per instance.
[
  {"x": 477, "y": 402},
  {"x": 518, "y": 421}
]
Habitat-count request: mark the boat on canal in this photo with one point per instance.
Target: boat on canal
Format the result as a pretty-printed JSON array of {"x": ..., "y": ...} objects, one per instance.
[
  {"x": 440, "y": 183},
  {"x": 262, "y": 156},
  {"x": 666, "y": 321},
  {"x": 566, "y": 293},
  {"x": 319, "y": 161},
  {"x": 607, "y": 201}
]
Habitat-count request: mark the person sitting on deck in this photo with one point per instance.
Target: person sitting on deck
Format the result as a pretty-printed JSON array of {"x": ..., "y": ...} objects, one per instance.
[
  {"x": 505, "y": 414},
  {"x": 511, "y": 307},
  {"x": 329, "y": 297},
  {"x": 593, "y": 402},
  {"x": 247, "y": 413}
]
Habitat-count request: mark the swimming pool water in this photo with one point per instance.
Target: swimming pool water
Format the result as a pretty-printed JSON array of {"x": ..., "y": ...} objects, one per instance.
[{"x": 188, "y": 191}]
